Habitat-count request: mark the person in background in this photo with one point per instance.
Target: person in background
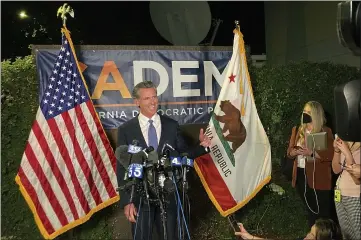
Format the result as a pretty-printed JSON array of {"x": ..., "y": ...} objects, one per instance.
[
  {"x": 323, "y": 229},
  {"x": 347, "y": 190},
  {"x": 312, "y": 179}
]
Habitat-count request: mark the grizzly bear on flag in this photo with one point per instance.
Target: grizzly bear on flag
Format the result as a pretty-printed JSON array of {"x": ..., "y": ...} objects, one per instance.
[{"x": 233, "y": 124}]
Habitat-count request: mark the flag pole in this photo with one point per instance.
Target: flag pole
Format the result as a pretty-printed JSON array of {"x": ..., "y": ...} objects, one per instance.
[
  {"x": 62, "y": 12},
  {"x": 232, "y": 217}
]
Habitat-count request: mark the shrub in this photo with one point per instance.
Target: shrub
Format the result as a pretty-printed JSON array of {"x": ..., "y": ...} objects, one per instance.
[{"x": 18, "y": 105}]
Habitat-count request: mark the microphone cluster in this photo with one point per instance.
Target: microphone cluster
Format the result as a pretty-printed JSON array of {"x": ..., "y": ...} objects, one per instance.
[{"x": 151, "y": 175}]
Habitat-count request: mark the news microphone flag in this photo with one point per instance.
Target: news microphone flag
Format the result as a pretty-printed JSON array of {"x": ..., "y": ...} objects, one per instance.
[
  {"x": 239, "y": 162},
  {"x": 68, "y": 169}
]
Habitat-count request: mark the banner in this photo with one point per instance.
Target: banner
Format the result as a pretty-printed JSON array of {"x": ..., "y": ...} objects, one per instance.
[
  {"x": 239, "y": 162},
  {"x": 188, "y": 81}
]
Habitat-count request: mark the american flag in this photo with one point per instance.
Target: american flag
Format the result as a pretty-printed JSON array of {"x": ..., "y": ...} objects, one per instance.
[{"x": 68, "y": 169}]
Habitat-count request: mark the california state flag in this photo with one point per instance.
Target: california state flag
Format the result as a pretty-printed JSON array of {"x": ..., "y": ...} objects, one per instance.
[{"x": 239, "y": 162}]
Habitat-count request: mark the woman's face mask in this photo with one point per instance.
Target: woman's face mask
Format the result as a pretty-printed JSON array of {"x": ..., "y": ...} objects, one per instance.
[{"x": 306, "y": 118}]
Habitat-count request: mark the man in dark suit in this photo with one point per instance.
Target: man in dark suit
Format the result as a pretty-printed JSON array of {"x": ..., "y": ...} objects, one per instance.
[{"x": 152, "y": 129}]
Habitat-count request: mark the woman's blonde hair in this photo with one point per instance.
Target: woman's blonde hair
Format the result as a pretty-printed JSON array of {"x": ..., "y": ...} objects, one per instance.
[{"x": 318, "y": 120}]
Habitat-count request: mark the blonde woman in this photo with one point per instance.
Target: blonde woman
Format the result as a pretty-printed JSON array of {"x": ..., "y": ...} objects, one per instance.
[
  {"x": 312, "y": 179},
  {"x": 347, "y": 191}
]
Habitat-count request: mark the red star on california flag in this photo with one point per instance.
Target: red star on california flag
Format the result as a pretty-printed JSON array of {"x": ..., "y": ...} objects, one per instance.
[{"x": 231, "y": 78}]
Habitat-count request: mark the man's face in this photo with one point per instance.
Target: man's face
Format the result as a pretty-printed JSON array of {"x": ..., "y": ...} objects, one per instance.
[{"x": 147, "y": 101}]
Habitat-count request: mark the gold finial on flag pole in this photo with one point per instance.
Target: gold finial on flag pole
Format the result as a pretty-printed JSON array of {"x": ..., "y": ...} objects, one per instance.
[
  {"x": 63, "y": 10},
  {"x": 236, "y": 22}
]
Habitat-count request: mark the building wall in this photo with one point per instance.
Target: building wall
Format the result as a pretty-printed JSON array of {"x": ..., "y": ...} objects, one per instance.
[{"x": 304, "y": 31}]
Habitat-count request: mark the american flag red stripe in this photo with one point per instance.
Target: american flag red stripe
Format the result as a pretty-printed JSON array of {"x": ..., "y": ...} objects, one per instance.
[
  {"x": 54, "y": 167},
  {"x": 79, "y": 154},
  {"x": 93, "y": 149},
  {"x": 34, "y": 197},
  {"x": 70, "y": 167},
  {"x": 43, "y": 181},
  {"x": 103, "y": 136},
  {"x": 67, "y": 171}
]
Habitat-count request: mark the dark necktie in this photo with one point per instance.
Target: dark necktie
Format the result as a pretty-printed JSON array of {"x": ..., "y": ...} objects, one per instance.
[{"x": 152, "y": 135}]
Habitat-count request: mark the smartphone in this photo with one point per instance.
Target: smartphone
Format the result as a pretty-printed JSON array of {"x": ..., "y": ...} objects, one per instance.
[
  {"x": 233, "y": 222},
  {"x": 343, "y": 166}
]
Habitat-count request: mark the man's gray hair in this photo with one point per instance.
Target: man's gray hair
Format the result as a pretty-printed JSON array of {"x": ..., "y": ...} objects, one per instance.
[{"x": 145, "y": 84}]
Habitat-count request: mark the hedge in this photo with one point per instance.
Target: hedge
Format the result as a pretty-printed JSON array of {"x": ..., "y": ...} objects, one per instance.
[{"x": 280, "y": 93}]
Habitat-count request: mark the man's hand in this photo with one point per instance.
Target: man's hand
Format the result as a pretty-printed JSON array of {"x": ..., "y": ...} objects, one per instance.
[
  {"x": 204, "y": 139},
  {"x": 130, "y": 212}
]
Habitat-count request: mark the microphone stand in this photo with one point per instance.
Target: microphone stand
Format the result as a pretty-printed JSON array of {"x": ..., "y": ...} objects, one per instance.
[
  {"x": 163, "y": 214},
  {"x": 163, "y": 211},
  {"x": 159, "y": 190},
  {"x": 185, "y": 204}
]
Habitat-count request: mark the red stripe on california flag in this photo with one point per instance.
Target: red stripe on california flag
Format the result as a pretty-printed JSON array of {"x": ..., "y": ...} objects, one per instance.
[
  {"x": 38, "y": 170},
  {"x": 103, "y": 136},
  {"x": 67, "y": 160},
  {"x": 48, "y": 153},
  {"x": 94, "y": 151},
  {"x": 215, "y": 182},
  {"x": 34, "y": 198},
  {"x": 81, "y": 159}
]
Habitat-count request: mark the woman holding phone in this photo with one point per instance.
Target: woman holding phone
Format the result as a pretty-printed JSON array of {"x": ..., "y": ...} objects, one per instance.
[
  {"x": 346, "y": 162},
  {"x": 311, "y": 175}
]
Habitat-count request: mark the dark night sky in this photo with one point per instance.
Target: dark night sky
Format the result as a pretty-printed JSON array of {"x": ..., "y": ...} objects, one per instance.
[{"x": 119, "y": 23}]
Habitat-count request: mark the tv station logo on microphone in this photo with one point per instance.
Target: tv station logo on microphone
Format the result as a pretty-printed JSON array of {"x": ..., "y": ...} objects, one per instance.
[
  {"x": 134, "y": 149},
  {"x": 135, "y": 171},
  {"x": 187, "y": 161},
  {"x": 176, "y": 161}
]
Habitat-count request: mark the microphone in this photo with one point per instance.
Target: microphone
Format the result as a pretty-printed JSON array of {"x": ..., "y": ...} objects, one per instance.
[
  {"x": 176, "y": 163},
  {"x": 149, "y": 175},
  {"x": 135, "y": 172},
  {"x": 147, "y": 152},
  {"x": 187, "y": 163},
  {"x": 165, "y": 161},
  {"x": 168, "y": 183},
  {"x": 153, "y": 158},
  {"x": 132, "y": 149},
  {"x": 121, "y": 154},
  {"x": 165, "y": 153},
  {"x": 166, "y": 147}
]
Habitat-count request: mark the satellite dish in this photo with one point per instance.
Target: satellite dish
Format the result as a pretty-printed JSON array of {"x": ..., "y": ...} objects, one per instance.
[
  {"x": 181, "y": 23},
  {"x": 349, "y": 25}
]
